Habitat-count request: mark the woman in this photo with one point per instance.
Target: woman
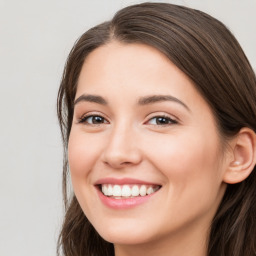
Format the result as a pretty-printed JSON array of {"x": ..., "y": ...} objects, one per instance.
[{"x": 157, "y": 111}]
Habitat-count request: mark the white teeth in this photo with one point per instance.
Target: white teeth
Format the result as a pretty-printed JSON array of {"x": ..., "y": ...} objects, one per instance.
[
  {"x": 143, "y": 190},
  {"x": 150, "y": 190},
  {"x": 119, "y": 191},
  {"x": 126, "y": 191},
  {"x": 109, "y": 190},
  {"x": 135, "y": 190},
  {"x": 104, "y": 190}
]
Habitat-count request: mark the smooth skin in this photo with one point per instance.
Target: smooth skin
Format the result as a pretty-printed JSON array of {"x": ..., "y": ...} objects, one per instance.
[{"x": 120, "y": 132}]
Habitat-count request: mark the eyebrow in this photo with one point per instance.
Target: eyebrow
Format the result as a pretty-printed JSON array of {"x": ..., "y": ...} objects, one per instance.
[
  {"x": 141, "y": 101},
  {"x": 91, "y": 98},
  {"x": 159, "y": 98}
]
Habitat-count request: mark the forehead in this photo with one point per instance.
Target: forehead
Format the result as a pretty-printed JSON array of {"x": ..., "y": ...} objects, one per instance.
[
  {"x": 118, "y": 69},
  {"x": 127, "y": 65}
]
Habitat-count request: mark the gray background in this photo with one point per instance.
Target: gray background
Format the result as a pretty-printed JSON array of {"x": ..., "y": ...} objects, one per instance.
[{"x": 35, "y": 38}]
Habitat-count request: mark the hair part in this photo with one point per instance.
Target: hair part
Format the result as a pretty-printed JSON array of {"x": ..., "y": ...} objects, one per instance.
[{"x": 207, "y": 52}]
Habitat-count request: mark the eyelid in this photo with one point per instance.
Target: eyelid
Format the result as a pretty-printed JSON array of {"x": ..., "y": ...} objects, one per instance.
[
  {"x": 81, "y": 120},
  {"x": 173, "y": 119}
]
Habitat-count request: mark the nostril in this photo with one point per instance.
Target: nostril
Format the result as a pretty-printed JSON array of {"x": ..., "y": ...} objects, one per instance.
[
  {"x": 117, "y": 164},
  {"x": 125, "y": 163}
]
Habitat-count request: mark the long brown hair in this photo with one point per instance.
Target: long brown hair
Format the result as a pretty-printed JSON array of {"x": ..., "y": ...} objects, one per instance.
[{"x": 206, "y": 51}]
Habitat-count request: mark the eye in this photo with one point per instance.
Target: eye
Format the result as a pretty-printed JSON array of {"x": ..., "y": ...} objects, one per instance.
[
  {"x": 93, "y": 120},
  {"x": 161, "y": 120}
]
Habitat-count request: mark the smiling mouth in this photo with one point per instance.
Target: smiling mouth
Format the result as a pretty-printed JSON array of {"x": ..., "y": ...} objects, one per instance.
[{"x": 128, "y": 190}]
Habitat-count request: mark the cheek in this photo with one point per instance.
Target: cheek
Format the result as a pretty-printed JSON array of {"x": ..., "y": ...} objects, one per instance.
[
  {"x": 83, "y": 152},
  {"x": 192, "y": 175},
  {"x": 188, "y": 160}
]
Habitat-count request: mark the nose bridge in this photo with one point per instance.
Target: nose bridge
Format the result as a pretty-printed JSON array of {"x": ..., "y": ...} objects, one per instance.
[{"x": 122, "y": 149}]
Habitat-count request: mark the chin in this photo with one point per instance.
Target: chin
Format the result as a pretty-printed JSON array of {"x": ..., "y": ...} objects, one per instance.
[{"x": 124, "y": 235}]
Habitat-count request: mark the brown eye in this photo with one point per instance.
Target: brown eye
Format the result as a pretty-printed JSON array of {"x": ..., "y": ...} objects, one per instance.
[
  {"x": 93, "y": 120},
  {"x": 97, "y": 120},
  {"x": 161, "y": 120}
]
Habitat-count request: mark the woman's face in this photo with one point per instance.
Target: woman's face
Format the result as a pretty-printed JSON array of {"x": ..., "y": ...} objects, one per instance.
[{"x": 143, "y": 134}]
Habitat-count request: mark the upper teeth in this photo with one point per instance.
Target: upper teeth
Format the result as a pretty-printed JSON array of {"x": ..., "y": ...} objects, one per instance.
[{"x": 128, "y": 190}]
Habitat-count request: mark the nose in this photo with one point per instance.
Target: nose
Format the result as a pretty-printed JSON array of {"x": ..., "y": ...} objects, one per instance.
[{"x": 122, "y": 150}]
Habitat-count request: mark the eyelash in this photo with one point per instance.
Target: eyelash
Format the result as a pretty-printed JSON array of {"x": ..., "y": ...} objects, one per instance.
[
  {"x": 84, "y": 119},
  {"x": 161, "y": 118},
  {"x": 169, "y": 120}
]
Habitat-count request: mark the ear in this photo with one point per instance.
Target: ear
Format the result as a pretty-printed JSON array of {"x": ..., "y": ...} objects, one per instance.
[{"x": 243, "y": 157}]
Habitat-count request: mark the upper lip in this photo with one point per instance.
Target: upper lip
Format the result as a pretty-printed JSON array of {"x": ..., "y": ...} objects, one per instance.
[{"x": 123, "y": 181}]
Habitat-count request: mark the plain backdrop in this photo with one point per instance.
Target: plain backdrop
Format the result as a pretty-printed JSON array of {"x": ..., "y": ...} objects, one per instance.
[{"x": 35, "y": 39}]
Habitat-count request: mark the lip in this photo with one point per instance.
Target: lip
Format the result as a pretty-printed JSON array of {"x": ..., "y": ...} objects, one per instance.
[
  {"x": 123, "y": 181},
  {"x": 124, "y": 203}
]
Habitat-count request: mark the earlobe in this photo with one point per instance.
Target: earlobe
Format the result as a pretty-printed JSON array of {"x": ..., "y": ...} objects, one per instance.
[{"x": 243, "y": 157}]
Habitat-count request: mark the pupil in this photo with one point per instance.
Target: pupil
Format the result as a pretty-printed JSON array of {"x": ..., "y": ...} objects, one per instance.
[
  {"x": 162, "y": 120},
  {"x": 97, "y": 120}
]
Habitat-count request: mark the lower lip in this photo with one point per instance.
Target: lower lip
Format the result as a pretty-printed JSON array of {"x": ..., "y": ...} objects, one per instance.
[{"x": 123, "y": 203}]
